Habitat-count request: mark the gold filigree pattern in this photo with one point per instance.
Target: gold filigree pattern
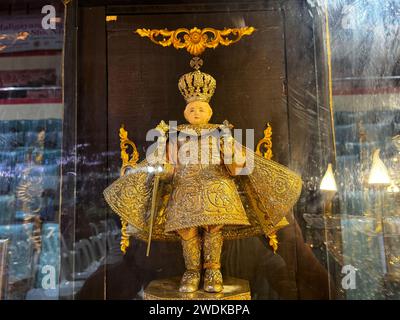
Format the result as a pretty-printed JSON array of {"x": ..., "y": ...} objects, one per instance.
[
  {"x": 273, "y": 241},
  {"x": 273, "y": 200},
  {"x": 264, "y": 146},
  {"x": 207, "y": 199},
  {"x": 198, "y": 129},
  {"x": 160, "y": 219},
  {"x": 212, "y": 249},
  {"x": 213, "y": 281},
  {"x": 128, "y": 160},
  {"x": 203, "y": 194},
  {"x": 124, "y": 243},
  {"x": 192, "y": 255},
  {"x": 123, "y": 197},
  {"x": 212, "y": 261},
  {"x": 190, "y": 281},
  {"x": 195, "y": 40},
  {"x": 133, "y": 205}
]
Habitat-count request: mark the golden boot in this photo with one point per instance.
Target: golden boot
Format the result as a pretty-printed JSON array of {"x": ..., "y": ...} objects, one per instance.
[
  {"x": 212, "y": 254},
  {"x": 191, "y": 253}
]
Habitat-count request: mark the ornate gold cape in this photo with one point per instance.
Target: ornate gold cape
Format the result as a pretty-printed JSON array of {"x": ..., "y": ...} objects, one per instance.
[{"x": 267, "y": 194}]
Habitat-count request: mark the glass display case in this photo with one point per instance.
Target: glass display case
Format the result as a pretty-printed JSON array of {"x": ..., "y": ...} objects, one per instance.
[{"x": 102, "y": 197}]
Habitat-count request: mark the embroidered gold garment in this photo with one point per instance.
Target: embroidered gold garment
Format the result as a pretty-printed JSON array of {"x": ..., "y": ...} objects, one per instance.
[{"x": 204, "y": 193}]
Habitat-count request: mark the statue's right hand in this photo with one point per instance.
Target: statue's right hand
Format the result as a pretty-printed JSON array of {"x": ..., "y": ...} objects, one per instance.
[{"x": 167, "y": 171}]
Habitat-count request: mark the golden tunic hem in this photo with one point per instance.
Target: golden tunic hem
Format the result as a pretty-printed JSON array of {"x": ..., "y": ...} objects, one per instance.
[{"x": 199, "y": 221}]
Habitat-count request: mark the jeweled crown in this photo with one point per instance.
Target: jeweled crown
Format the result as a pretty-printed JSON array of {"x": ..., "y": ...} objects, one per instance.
[{"x": 196, "y": 86}]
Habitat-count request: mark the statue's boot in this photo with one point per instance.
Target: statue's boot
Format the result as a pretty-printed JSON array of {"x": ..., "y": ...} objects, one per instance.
[
  {"x": 191, "y": 253},
  {"x": 212, "y": 255}
]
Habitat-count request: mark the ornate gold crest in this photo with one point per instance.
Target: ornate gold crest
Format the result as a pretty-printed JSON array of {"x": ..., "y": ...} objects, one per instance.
[{"x": 195, "y": 40}]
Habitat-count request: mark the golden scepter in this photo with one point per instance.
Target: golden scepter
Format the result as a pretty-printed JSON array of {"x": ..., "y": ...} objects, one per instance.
[
  {"x": 162, "y": 128},
  {"x": 152, "y": 210}
]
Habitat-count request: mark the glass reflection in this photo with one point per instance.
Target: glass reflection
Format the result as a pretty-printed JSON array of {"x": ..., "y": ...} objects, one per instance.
[
  {"x": 31, "y": 112},
  {"x": 365, "y": 83}
]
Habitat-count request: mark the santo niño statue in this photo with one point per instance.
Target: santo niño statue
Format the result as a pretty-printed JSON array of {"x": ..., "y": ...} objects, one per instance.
[{"x": 203, "y": 187}]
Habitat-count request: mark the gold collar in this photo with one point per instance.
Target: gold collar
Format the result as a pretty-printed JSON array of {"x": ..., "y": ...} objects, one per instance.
[{"x": 189, "y": 128}]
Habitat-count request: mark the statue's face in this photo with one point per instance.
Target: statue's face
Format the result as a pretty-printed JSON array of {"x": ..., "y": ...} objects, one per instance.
[{"x": 198, "y": 112}]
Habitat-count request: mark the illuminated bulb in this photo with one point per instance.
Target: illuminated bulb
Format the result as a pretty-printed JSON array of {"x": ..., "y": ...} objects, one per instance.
[
  {"x": 379, "y": 174},
  {"x": 328, "y": 182}
]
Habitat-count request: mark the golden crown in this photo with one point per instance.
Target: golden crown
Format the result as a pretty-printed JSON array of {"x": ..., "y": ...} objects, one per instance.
[{"x": 196, "y": 86}]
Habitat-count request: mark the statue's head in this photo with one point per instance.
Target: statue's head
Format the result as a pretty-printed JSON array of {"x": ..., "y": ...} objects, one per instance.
[
  {"x": 197, "y": 88},
  {"x": 198, "y": 112}
]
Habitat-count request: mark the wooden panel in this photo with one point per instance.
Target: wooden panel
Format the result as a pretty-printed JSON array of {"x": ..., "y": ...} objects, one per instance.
[
  {"x": 91, "y": 118},
  {"x": 68, "y": 166},
  {"x": 91, "y": 127},
  {"x": 191, "y": 7}
]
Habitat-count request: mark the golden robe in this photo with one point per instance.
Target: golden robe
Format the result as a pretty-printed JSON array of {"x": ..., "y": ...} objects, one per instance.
[{"x": 202, "y": 193}]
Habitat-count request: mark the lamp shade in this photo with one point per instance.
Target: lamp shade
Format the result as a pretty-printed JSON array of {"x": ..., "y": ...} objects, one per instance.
[
  {"x": 328, "y": 182},
  {"x": 379, "y": 174}
]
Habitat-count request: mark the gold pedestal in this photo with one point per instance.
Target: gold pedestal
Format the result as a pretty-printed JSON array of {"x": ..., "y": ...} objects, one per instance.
[{"x": 167, "y": 289}]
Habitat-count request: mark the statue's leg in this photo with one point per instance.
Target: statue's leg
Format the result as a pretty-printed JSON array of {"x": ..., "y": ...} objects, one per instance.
[
  {"x": 212, "y": 258},
  {"x": 191, "y": 246}
]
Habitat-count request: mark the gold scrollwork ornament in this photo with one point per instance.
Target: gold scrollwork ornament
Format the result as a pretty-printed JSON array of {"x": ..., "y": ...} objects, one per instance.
[
  {"x": 264, "y": 149},
  {"x": 265, "y": 143},
  {"x": 195, "y": 40},
  {"x": 128, "y": 160}
]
